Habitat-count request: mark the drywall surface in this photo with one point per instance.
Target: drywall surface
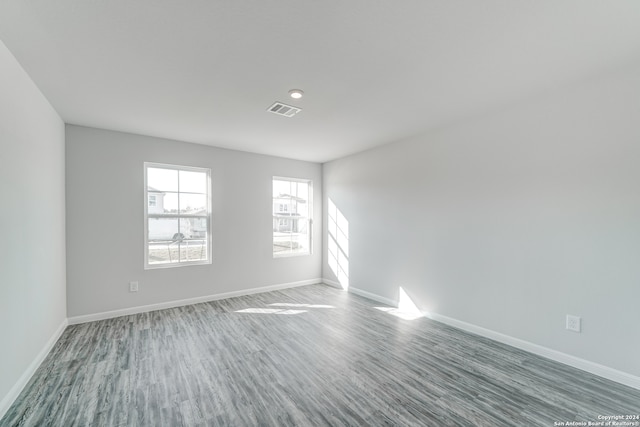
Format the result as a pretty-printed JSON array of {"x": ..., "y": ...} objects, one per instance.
[
  {"x": 32, "y": 222},
  {"x": 510, "y": 221},
  {"x": 105, "y": 222}
]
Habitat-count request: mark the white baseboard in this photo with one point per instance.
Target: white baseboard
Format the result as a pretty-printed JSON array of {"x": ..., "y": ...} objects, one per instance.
[
  {"x": 179, "y": 303},
  {"x": 558, "y": 356},
  {"x": 15, "y": 391},
  {"x": 373, "y": 297},
  {"x": 332, "y": 283},
  {"x": 576, "y": 362}
]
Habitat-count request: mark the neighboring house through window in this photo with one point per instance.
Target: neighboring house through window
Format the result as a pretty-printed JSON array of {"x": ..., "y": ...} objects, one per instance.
[
  {"x": 291, "y": 216},
  {"x": 177, "y": 215}
]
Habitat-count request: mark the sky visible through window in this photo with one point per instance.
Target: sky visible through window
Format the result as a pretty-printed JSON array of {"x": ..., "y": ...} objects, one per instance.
[{"x": 168, "y": 181}]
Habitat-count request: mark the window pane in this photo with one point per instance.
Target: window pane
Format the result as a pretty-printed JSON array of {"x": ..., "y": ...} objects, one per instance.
[
  {"x": 154, "y": 201},
  {"x": 177, "y": 240},
  {"x": 162, "y": 179},
  {"x": 164, "y": 237},
  {"x": 169, "y": 202},
  {"x": 162, "y": 228},
  {"x": 193, "y": 228},
  {"x": 281, "y": 243},
  {"x": 300, "y": 206},
  {"x": 293, "y": 237},
  {"x": 301, "y": 190},
  {"x": 193, "y": 182},
  {"x": 193, "y": 204},
  {"x": 281, "y": 187},
  {"x": 193, "y": 250}
]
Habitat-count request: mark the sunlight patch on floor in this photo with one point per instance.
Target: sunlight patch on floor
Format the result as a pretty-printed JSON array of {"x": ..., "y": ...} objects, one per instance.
[{"x": 406, "y": 309}]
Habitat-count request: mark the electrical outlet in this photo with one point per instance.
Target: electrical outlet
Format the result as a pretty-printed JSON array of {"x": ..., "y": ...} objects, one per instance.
[
  {"x": 573, "y": 323},
  {"x": 133, "y": 286}
]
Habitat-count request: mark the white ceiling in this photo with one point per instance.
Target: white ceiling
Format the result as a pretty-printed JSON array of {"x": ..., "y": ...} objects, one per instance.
[{"x": 373, "y": 71}]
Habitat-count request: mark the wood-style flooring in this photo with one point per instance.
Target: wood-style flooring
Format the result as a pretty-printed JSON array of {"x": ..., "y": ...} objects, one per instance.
[{"x": 309, "y": 356}]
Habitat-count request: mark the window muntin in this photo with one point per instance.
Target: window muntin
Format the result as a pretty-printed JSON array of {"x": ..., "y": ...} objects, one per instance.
[
  {"x": 178, "y": 221},
  {"x": 291, "y": 216}
]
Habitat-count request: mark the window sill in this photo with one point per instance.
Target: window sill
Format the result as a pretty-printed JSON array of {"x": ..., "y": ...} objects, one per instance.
[
  {"x": 176, "y": 264},
  {"x": 290, "y": 255}
]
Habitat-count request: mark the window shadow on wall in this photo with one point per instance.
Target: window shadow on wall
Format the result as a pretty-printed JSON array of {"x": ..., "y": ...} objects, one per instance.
[{"x": 338, "y": 244}]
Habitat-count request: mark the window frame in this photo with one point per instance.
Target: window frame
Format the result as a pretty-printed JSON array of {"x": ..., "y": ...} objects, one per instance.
[
  {"x": 178, "y": 215},
  {"x": 309, "y": 216}
]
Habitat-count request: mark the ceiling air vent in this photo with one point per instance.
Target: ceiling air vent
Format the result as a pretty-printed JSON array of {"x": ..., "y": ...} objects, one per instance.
[{"x": 284, "y": 109}]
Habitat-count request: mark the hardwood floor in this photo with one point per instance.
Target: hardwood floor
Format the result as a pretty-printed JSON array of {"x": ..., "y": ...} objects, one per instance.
[{"x": 306, "y": 356}]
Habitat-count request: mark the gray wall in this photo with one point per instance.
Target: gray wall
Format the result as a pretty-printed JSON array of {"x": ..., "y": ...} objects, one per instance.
[
  {"x": 32, "y": 250},
  {"x": 105, "y": 222},
  {"x": 512, "y": 220}
]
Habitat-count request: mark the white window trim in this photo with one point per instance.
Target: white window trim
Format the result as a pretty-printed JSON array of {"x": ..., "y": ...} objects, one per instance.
[
  {"x": 309, "y": 217},
  {"x": 209, "y": 259}
]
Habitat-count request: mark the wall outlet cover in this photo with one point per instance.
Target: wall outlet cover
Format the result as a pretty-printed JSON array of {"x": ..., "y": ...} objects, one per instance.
[{"x": 574, "y": 323}]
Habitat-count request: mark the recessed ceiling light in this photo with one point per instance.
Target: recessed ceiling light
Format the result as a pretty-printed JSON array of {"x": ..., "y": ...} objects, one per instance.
[{"x": 296, "y": 93}]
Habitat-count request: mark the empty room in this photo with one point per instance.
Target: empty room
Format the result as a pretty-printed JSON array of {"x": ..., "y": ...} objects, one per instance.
[{"x": 320, "y": 213}]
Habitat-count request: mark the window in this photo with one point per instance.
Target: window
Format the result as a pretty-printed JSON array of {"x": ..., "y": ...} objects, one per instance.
[
  {"x": 291, "y": 217},
  {"x": 177, "y": 215}
]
